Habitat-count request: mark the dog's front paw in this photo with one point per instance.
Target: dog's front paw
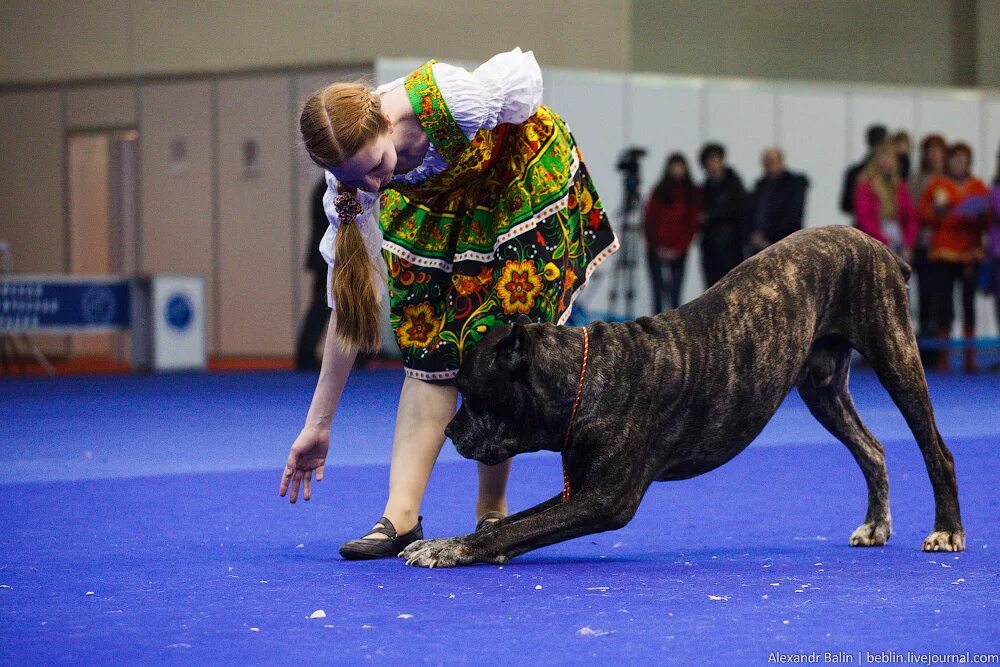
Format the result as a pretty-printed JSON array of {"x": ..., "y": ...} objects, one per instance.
[
  {"x": 945, "y": 541},
  {"x": 437, "y": 553},
  {"x": 873, "y": 534}
]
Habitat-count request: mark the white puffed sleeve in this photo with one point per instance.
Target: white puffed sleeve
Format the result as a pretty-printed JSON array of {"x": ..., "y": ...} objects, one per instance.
[
  {"x": 507, "y": 88},
  {"x": 367, "y": 224}
]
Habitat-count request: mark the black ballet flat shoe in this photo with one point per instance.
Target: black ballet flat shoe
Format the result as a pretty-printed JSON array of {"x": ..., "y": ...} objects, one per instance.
[
  {"x": 371, "y": 548},
  {"x": 488, "y": 520}
]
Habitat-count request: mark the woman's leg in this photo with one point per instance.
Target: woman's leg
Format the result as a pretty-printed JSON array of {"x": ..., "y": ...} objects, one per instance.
[
  {"x": 493, "y": 488},
  {"x": 970, "y": 281},
  {"x": 655, "y": 279},
  {"x": 676, "y": 280},
  {"x": 424, "y": 410}
]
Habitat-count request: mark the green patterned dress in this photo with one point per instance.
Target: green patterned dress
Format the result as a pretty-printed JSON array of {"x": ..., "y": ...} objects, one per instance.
[{"x": 512, "y": 227}]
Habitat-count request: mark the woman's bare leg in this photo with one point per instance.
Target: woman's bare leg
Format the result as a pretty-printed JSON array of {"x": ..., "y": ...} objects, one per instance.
[
  {"x": 493, "y": 488},
  {"x": 424, "y": 410}
]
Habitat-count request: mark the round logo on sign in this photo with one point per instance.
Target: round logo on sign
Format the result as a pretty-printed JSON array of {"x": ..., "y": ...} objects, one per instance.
[
  {"x": 98, "y": 305},
  {"x": 179, "y": 311}
]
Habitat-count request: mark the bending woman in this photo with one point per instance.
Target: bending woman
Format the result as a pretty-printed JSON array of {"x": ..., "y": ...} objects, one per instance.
[{"x": 474, "y": 200}]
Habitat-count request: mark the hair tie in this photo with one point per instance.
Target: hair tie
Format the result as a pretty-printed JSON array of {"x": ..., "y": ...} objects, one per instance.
[{"x": 348, "y": 207}]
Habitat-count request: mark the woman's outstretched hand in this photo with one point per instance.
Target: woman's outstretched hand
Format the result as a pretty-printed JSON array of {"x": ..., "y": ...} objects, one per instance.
[{"x": 308, "y": 454}]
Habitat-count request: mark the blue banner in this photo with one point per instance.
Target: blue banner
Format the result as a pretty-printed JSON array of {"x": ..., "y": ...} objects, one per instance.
[{"x": 46, "y": 304}]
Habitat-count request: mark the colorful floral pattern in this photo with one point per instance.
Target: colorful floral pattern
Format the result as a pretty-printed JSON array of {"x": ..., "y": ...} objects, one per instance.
[{"x": 507, "y": 230}]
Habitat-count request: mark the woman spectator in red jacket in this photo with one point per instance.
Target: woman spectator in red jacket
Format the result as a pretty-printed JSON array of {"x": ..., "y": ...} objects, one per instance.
[
  {"x": 670, "y": 223},
  {"x": 883, "y": 207},
  {"x": 955, "y": 205}
]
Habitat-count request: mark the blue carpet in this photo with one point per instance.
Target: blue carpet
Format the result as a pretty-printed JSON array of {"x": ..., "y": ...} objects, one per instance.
[{"x": 158, "y": 495}]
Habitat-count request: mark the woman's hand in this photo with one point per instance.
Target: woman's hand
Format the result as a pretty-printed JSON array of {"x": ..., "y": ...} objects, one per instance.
[{"x": 308, "y": 454}]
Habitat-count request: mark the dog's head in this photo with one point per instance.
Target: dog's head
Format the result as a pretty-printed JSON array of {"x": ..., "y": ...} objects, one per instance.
[{"x": 506, "y": 404}]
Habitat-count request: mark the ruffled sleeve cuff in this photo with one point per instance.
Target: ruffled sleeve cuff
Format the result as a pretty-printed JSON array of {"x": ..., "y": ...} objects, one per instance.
[
  {"x": 367, "y": 224},
  {"x": 505, "y": 89}
]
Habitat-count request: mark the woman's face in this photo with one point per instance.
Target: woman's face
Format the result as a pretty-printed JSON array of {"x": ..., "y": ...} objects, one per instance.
[
  {"x": 958, "y": 165},
  {"x": 887, "y": 162},
  {"x": 371, "y": 168},
  {"x": 677, "y": 170},
  {"x": 935, "y": 158}
]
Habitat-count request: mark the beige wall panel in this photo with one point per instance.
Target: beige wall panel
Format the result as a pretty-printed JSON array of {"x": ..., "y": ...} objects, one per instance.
[
  {"x": 31, "y": 188},
  {"x": 56, "y": 40},
  {"x": 255, "y": 218},
  {"x": 176, "y": 221},
  {"x": 988, "y": 43},
  {"x": 308, "y": 174},
  {"x": 51, "y": 40},
  {"x": 851, "y": 40},
  {"x": 105, "y": 105},
  {"x": 31, "y": 181}
]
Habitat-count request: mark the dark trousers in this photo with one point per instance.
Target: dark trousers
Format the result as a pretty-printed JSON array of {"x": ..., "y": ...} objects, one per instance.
[
  {"x": 947, "y": 274},
  {"x": 666, "y": 277},
  {"x": 313, "y": 325},
  {"x": 924, "y": 269},
  {"x": 719, "y": 257}
]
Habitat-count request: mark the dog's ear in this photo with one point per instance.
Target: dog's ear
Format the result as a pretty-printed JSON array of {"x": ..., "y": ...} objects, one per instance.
[{"x": 514, "y": 349}]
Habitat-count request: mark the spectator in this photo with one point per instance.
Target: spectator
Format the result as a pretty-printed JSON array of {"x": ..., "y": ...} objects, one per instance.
[
  {"x": 777, "y": 203},
  {"x": 950, "y": 203},
  {"x": 995, "y": 243},
  {"x": 875, "y": 135},
  {"x": 314, "y": 322},
  {"x": 724, "y": 200},
  {"x": 902, "y": 146},
  {"x": 670, "y": 223},
  {"x": 883, "y": 208},
  {"x": 932, "y": 157}
]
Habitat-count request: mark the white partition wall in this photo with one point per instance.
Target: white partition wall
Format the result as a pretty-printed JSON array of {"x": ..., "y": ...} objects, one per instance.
[{"x": 812, "y": 124}]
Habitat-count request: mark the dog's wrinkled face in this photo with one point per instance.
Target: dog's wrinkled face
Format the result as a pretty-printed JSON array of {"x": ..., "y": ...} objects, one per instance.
[{"x": 501, "y": 414}]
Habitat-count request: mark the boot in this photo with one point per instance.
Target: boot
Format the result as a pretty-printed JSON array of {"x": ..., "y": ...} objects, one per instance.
[
  {"x": 943, "y": 363},
  {"x": 971, "y": 364}
]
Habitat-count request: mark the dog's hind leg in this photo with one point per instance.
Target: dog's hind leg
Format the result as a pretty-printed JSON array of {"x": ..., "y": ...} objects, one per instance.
[
  {"x": 824, "y": 391},
  {"x": 896, "y": 360}
]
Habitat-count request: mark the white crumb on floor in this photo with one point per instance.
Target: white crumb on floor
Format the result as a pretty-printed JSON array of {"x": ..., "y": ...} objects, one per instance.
[
  {"x": 817, "y": 538},
  {"x": 254, "y": 629},
  {"x": 300, "y": 546},
  {"x": 319, "y": 613},
  {"x": 616, "y": 545},
  {"x": 588, "y": 631},
  {"x": 6, "y": 586},
  {"x": 90, "y": 592},
  {"x": 776, "y": 584},
  {"x": 178, "y": 646},
  {"x": 957, "y": 581},
  {"x": 328, "y": 626},
  {"x": 367, "y": 627},
  {"x": 263, "y": 581},
  {"x": 598, "y": 588},
  {"x": 538, "y": 587},
  {"x": 785, "y": 622},
  {"x": 724, "y": 598},
  {"x": 451, "y": 596},
  {"x": 404, "y": 616}
]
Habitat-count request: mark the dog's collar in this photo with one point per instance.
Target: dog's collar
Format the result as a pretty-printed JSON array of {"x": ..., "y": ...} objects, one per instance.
[{"x": 572, "y": 415}]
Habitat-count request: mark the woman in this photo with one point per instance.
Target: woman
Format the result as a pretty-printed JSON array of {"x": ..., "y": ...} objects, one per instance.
[
  {"x": 883, "y": 208},
  {"x": 956, "y": 246},
  {"x": 475, "y": 200},
  {"x": 670, "y": 223},
  {"x": 933, "y": 150}
]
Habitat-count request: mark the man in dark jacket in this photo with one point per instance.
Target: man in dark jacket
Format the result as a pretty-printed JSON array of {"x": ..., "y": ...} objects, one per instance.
[
  {"x": 724, "y": 201},
  {"x": 875, "y": 135},
  {"x": 319, "y": 312},
  {"x": 778, "y": 201}
]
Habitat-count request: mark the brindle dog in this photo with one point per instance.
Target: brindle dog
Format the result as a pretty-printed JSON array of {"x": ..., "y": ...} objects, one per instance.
[{"x": 679, "y": 394}]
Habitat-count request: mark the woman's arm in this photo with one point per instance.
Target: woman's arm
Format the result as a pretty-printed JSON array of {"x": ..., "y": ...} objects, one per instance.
[
  {"x": 308, "y": 452},
  {"x": 907, "y": 217}
]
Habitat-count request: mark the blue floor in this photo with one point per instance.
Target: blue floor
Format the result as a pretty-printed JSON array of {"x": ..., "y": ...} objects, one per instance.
[{"x": 140, "y": 523}]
